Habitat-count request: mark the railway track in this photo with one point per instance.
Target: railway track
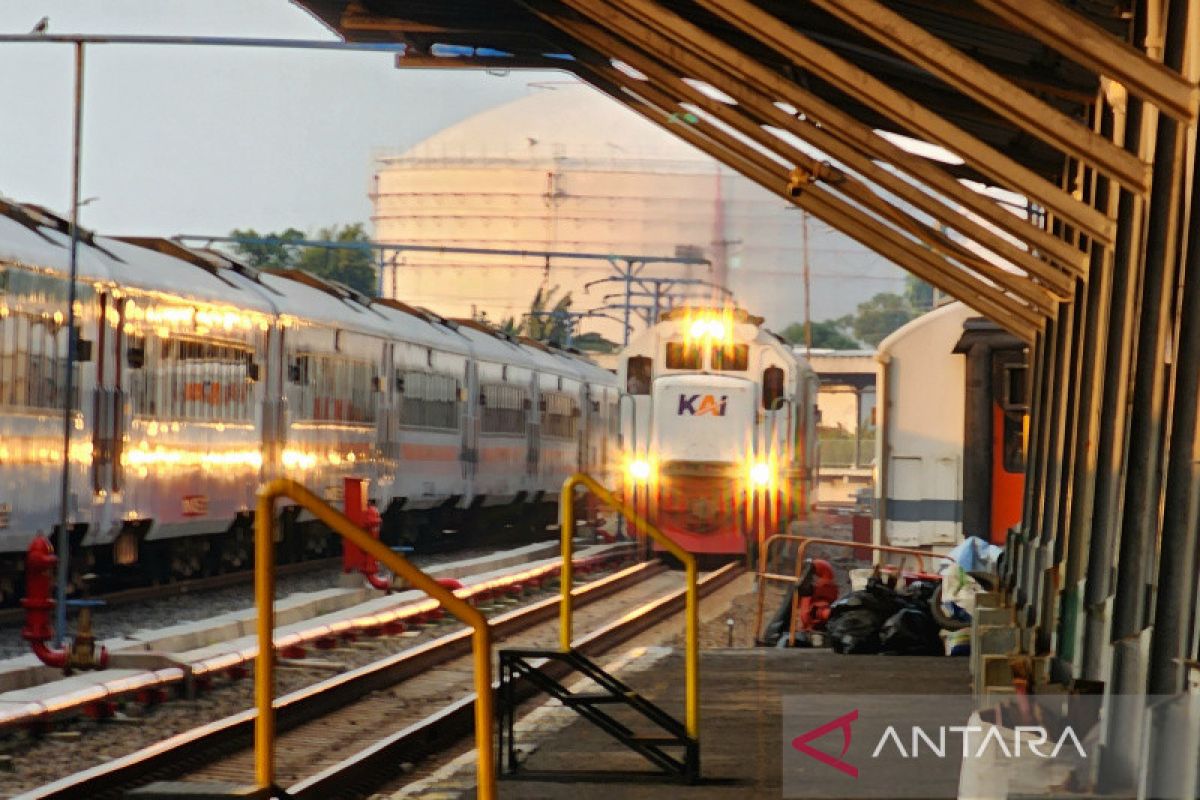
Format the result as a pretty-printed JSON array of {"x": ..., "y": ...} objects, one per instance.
[
  {"x": 141, "y": 594},
  {"x": 399, "y": 691},
  {"x": 323, "y": 728}
]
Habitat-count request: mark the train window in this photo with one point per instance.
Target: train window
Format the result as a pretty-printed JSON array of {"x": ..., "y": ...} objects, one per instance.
[
  {"x": 638, "y": 372},
  {"x": 193, "y": 379},
  {"x": 135, "y": 352},
  {"x": 33, "y": 353},
  {"x": 560, "y": 413},
  {"x": 333, "y": 389},
  {"x": 772, "y": 388},
  {"x": 681, "y": 355},
  {"x": 504, "y": 408},
  {"x": 1014, "y": 386},
  {"x": 734, "y": 358},
  {"x": 428, "y": 400}
]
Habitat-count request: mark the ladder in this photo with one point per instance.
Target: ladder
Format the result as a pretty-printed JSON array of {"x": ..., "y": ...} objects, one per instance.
[{"x": 526, "y": 671}]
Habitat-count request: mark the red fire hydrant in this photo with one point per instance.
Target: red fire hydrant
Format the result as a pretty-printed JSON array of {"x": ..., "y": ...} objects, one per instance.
[
  {"x": 39, "y": 567},
  {"x": 362, "y": 513}
]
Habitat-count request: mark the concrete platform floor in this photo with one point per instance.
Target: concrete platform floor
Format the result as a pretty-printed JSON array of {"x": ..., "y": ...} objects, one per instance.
[{"x": 741, "y": 725}]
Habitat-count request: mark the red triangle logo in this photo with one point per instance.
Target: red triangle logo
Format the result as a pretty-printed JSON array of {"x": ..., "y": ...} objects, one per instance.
[{"x": 800, "y": 743}]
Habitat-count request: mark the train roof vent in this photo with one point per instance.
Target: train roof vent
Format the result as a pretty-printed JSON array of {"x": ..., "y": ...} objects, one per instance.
[
  {"x": 449, "y": 323},
  {"x": 332, "y": 288},
  {"x": 169, "y": 247},
  {"x": 20, "y": 214},
  {"x": 48, "y": 219},
  {"x": 483, "y": 327}
]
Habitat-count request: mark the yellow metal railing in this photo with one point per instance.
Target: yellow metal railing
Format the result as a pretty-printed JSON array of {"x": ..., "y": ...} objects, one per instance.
[
  {"x": 567, "y": 518},
  {"x": 264, "y": 594}
]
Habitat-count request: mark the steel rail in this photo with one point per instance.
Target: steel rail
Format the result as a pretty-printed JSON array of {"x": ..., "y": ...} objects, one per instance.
[
  {"x": 453, "y": 722},
  {"x": 174, "y": 755}
]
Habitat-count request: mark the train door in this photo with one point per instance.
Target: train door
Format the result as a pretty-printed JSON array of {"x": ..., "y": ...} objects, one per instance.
[
  {"x": 1009, "y": 410},
  {"x": 469, "y": 423},
  {"x": 389, "y": 405},
  {"x": 273, "y": 429},
  {"x": 583, "y": 454},
  {"x": 109, "y": 411}
]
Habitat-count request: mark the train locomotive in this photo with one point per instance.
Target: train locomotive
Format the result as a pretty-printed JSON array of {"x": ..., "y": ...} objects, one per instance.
[
  {"x": 718, "y": 431},
  {"x": 198, "y": 377}
]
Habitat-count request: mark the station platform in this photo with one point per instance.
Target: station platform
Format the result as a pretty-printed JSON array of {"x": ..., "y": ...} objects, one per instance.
[{"x": 741, "y": 723}]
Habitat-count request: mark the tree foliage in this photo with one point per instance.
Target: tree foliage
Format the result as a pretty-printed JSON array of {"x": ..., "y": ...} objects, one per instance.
[
  {"x": 828, "y": 334},
  {"x": 879, "y": 316},
  {"x": 549, "y": 320},
  {"x": 350, "y": 266},
  {"x": 918, "y": 293},
  {"x": 873, "y": 320}
]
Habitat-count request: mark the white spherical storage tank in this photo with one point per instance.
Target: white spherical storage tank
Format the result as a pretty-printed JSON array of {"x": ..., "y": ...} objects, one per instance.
[{"x": 567, "y": 169}]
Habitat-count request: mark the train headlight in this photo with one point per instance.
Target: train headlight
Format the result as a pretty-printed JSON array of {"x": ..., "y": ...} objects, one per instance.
[
  {"x": 639, "y": 470},
  {"x": 709, "y": 328},
  {"x": 760, "y": 474}
]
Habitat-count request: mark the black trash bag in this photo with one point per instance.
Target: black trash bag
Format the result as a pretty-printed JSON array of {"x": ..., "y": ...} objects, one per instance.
[
  {"x": 779, "y": 625},
  {"x": 911, "y": 632},
  {"x": 855, "y": 620},
  {"x": 919, "y": 593},
  {"x": 855, "y": 631}
]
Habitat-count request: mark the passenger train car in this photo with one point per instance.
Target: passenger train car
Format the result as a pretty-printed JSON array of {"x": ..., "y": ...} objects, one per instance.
[
  {"x": 718, "y": 429},
  {"x": 952, "y": 409},
  {"x": 198, "y": 377}
]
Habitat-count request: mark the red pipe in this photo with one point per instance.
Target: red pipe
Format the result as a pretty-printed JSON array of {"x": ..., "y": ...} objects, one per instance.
[{"x": 39, "y": 564}]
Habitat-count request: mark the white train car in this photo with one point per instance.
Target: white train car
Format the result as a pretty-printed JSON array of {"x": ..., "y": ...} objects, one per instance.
[
  {"x": 718, "y": 426},
  {"x": 951, "y": 414},
  {"x": 197, "y": 378}
]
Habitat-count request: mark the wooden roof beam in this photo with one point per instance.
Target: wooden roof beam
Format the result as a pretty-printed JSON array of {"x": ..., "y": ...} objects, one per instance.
[
  {"x": 1003, "y": 97},
  {"x": 873, "y": 92}
]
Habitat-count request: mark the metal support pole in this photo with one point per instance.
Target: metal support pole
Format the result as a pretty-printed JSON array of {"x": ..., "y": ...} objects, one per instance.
[
  {"x": 628, "y": 276},
  {"x": 1178, "y": 546},
  {"x": 1114, "y": 421},
  {"x": 64, "y": 519}
]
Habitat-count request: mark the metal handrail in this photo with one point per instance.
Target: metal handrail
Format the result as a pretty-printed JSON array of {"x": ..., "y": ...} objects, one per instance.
[
  {"x": 264, "y": 595},
  {"x": 804, "y": 541},
  {"x": 692, "y": 652}
]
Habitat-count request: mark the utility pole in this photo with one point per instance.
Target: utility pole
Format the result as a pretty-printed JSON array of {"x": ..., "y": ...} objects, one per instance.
[
  {"x": 807, "y": 287},
  {"x": 64, "y": 518}
]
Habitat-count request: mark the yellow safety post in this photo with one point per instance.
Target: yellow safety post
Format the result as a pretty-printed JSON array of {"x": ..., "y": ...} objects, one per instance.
[
  {"x": 264, "y": 591},
  {"x": 692, "y": 652}
]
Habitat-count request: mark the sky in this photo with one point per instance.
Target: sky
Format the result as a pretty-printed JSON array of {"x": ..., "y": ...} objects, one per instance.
[{"x": 202, "y": 140}]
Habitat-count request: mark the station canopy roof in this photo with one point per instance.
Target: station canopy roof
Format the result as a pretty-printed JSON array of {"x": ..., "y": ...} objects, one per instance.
[{"x": 958, "y": 138}]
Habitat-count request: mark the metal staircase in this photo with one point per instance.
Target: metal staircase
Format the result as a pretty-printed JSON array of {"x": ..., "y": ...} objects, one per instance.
[{"x": 534, "y": 668}]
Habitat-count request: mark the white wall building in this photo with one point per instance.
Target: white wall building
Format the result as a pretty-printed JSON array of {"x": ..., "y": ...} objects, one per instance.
[{"x": 567, "y": 169}]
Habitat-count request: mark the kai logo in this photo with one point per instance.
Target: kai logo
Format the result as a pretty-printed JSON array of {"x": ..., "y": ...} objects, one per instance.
[{"x": 699, "y": 405}]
